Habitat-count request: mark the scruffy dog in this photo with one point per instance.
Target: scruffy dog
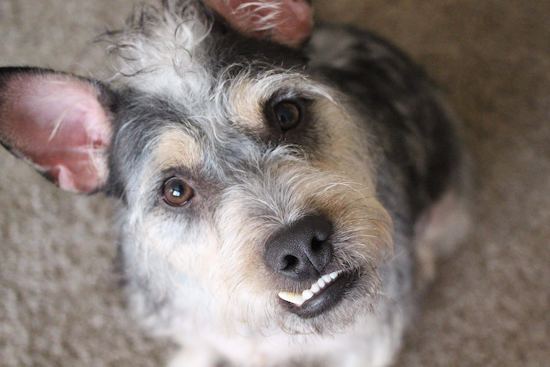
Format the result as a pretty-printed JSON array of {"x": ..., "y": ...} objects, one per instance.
[{"x": 284, "y": 191}]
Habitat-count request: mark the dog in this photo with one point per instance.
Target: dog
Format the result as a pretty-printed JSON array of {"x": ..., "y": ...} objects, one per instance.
[{"x": 285, "y": 190}]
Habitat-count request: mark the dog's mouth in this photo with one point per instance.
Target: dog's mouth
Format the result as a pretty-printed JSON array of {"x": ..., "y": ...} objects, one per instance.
[{"x": 322, "y": 296}]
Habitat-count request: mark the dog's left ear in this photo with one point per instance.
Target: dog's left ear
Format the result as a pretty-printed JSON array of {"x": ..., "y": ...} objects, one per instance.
[
  {"x": 288, "y": 22},
  {"x": 59, "y": 123}
]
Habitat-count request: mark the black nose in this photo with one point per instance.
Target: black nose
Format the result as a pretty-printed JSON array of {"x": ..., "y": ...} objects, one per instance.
[{"x": 302, "y": 250}]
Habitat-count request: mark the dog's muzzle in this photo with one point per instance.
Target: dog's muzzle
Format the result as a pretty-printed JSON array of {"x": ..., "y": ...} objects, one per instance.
[{"x": 302, "y": 253}]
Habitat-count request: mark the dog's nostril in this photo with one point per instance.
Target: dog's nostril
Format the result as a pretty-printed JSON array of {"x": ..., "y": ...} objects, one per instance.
[
  {"x": 289, "y": 262},
  {"x": 317, "y": 243}
]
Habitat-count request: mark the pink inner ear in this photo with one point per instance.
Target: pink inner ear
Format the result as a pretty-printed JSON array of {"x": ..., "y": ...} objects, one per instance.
[
  {"x": 58, "y": 124},
  {"x": 289, "y": 22}
]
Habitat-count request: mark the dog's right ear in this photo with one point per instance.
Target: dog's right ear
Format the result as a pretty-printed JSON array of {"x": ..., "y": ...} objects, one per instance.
[
  {"x": 59, "y": 123},
  {"x": 288, "y": 22}
]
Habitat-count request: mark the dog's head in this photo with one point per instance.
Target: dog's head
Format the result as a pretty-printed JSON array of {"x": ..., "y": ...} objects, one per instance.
[{"x": 246, "y": 183}]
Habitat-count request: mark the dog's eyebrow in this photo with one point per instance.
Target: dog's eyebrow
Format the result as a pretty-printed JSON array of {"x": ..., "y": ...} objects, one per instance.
[
  {"x": 247, "y": 108},
  {"x": 175, "y": 148}
]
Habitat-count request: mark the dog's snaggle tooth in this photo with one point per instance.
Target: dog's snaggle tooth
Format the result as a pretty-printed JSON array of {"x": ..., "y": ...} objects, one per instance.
[
  {"x": 307, "y": 294},
  {"x": 293, "y": 298},
  {"x": 299, "y": 299}
]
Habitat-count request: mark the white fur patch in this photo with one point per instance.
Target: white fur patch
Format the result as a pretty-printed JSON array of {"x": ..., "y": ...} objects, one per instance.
[{"x": 162, "y": 52}]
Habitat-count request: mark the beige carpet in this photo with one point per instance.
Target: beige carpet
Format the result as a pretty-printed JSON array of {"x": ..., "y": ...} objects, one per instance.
[{"x": 59, "y": 303}]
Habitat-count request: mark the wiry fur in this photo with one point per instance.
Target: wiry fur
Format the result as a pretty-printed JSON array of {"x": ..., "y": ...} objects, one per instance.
[{"x": 376, "y": 154}]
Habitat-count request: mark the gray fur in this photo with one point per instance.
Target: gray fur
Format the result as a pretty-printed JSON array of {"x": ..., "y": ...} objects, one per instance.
[{"x": 378, "y": 151}]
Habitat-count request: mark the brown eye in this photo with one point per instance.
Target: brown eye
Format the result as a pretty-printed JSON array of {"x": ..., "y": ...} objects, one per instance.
[
  {"x": 288, "y": 114},
  {"x": 176, "y": 192}
]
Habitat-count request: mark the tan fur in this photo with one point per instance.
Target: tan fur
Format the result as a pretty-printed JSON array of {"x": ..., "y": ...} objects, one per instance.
[
  {"x": 246, "y": 112},
  {"x": 346, "y": 155},
  {"x": 176, "y": 149}
]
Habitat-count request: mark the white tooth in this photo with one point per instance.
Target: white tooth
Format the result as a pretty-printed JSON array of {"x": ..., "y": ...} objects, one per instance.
[
  {"x": 321, "y": 282},
  {"x": 327, "y": 278},
  {"x": 294, "y": 298},
  {"x": 315, "y": 288},
  {"x": 333, "y": 275},
  {"x": 307, "y": 294}
]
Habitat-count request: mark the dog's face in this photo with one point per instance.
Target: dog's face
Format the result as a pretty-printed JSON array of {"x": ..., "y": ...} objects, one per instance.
[{"x": 246, "y": 183}]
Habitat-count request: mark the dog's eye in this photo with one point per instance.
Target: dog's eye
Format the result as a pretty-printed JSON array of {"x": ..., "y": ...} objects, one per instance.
[
  {"x": 176, "y": 192},
  {"x": 288, "y": 114}
]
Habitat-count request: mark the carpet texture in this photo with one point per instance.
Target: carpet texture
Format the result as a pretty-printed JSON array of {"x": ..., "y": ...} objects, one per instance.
[{"x": 59, "y": 302}]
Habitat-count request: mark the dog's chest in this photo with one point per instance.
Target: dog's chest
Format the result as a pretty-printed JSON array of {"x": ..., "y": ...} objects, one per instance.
[{"x": 369, "y": 341}]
